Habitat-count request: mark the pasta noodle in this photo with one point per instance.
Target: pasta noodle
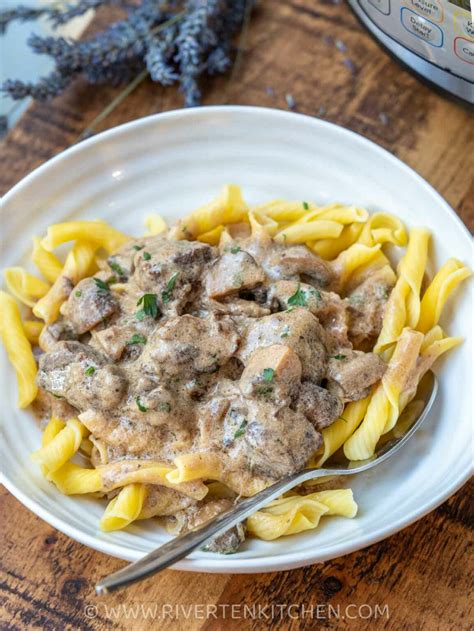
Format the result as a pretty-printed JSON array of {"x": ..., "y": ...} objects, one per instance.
[
  {"x": 97, "y": 232},
  {"x": 448, "y": 277},
  {"x": 76, "y": 267},
  {"x": 61, "y": 448},
  {"x": 155, "y": 224},
  {"x": 228, "y": 208},
  {"x": 383, "y": 410},
  {"x": 33, "y": 330},
  {"x": 303, "y": 232},
  {"x": 403, "y": 307},
  {"x": 18, "y": 350},
  {"x": 124, "y": 508},
  {"x": 24, "y": 286},
  {"x": 294, "y": 514},
  {"x": 338, "y": 432},
  {"x": 46, "y": 262}
]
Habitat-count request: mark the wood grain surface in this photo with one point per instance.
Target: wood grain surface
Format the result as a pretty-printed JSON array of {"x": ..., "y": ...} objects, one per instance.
[{"x": 421, "y": 578}]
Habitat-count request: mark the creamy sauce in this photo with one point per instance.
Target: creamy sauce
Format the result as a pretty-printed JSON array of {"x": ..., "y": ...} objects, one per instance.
[{"x": 243, "y": 353}]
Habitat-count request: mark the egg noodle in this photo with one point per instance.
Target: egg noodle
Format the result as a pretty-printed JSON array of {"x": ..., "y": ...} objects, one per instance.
[{"x": 354, "y": 242}]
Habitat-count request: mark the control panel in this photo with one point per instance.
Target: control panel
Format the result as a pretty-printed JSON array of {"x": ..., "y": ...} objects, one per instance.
[{"x": 439, "y": 31}]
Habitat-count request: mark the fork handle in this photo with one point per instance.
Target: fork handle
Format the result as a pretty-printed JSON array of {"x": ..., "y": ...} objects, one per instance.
[{"x": 181, "y": 546}]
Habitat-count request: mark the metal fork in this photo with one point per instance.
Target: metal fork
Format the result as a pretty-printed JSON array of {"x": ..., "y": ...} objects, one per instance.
[{"x": 181, "y": 546}]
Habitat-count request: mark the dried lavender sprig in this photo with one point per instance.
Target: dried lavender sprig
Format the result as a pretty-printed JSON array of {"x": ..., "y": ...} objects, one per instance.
[
  {"x": 46, "y": 88},
  {"x": 56, "y": 15},
  {"x": 196, "y": 36},
  {"x": 20, "y": 14},
  {"x": 122, "y": 41},
  {"x": 69, "y": 11}
]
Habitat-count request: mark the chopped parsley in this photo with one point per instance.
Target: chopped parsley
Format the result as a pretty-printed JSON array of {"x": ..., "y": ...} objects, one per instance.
[
  {"x": 268, "y": 374},
  {"x": 241, "y": 430},
  {"x": 140, "y": 405},
  {"x": 164, "y": 406},
  {"x": 78, "y": 293},
  {"x": 90, "y": 370},
  {"x": 298, "y": 299},
  {"x": 116, "y": 267},
  {"x": 285, "y": 332},
  {"x": 149, "y": 306},
  {"x": 138, "y": 247},
  {"x": 306, "y": 205},
  {"x": 235, "y": 249},
  {"x": 102, "y": 287},
  {"x": 166, "y": 295},
  {"x": 264, "y": 391},
  {"x": 136, "y": 339},
  {"x": 146, "y": 256},
  {"x": 290, "y": 309},
  {"x": 339, "y": 356}
]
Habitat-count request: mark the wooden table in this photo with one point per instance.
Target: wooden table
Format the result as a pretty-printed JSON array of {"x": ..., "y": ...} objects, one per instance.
[{"x": 317, "y": 52}]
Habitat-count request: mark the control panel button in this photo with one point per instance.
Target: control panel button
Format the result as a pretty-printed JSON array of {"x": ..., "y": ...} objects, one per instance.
[
  {"x": 381, "y": 5},
  {"x": 464, "y": 49},
  {"x": 463, "y": 24},
  {"x": 431, "y": 9},
  {"x": 421, "y": 27}
]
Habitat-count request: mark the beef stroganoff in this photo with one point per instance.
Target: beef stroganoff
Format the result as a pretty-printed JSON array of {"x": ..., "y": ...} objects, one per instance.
[{"x": 179, "y": 371}]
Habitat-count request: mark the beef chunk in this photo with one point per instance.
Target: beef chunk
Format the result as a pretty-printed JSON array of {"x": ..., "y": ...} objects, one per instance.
[
  {"x": 366, "y": 306},
  {"x": 273, "y": 373},
  {"x": 327, "y": 306},
  {"x": 232, "y": 272},
  {"x": 203, "y": 511},
  {"x": 80, "y": 375},
  {"x": 270, "y": 443},
  {"x": 352, "y": 373},
  {"x": 89, "y": 303},
  {"x": 54, "y": 333},
  {"x": 299, "y": 330},
  {"x": 319, "y": 405},
  {"x": 187, "y": 344}
]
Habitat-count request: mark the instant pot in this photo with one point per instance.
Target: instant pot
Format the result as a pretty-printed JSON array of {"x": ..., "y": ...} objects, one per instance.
[{"x": 435, "y": 38}]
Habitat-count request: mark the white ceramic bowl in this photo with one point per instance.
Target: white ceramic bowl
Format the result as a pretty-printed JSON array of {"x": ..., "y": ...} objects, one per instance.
[{"x": 173, "y": 162}]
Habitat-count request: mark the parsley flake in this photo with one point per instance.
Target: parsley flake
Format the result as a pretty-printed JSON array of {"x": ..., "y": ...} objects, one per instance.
[
  {"x": 138, "y": 247},
  {"x": 78, "y": 293},
  {"x": 149, "y": 306},
  {"x": 268, "y": 374},
  {"x": 298, "y": 299},
  {"x": 306, "y": 205},
  {"x": 339, "y": 356},
  {"x": 90, "y": 371},
  {"x": 264, "y": 391},
  {"x": 116, "y": 267},
  {"x": 166, "y": 295},
  {"x": 241, "y": 430},
  {"x": 235, "y": 249},
  {"x": 140, "y": 405},
  {"x": 136, "y": 339},
  {"x": 102, "y": 287},
  {"x": 146, "y": 256}
]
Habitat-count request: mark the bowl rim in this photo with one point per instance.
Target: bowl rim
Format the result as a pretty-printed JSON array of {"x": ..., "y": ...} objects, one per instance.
[{"x": 275, "y": 562}]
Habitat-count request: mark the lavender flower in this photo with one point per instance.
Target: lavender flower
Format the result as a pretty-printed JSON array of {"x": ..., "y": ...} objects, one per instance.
[
  {"x": 44, "y": 89},
  {"x": 19, "y": 14},
  {"x": 174, "y": 40}
]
